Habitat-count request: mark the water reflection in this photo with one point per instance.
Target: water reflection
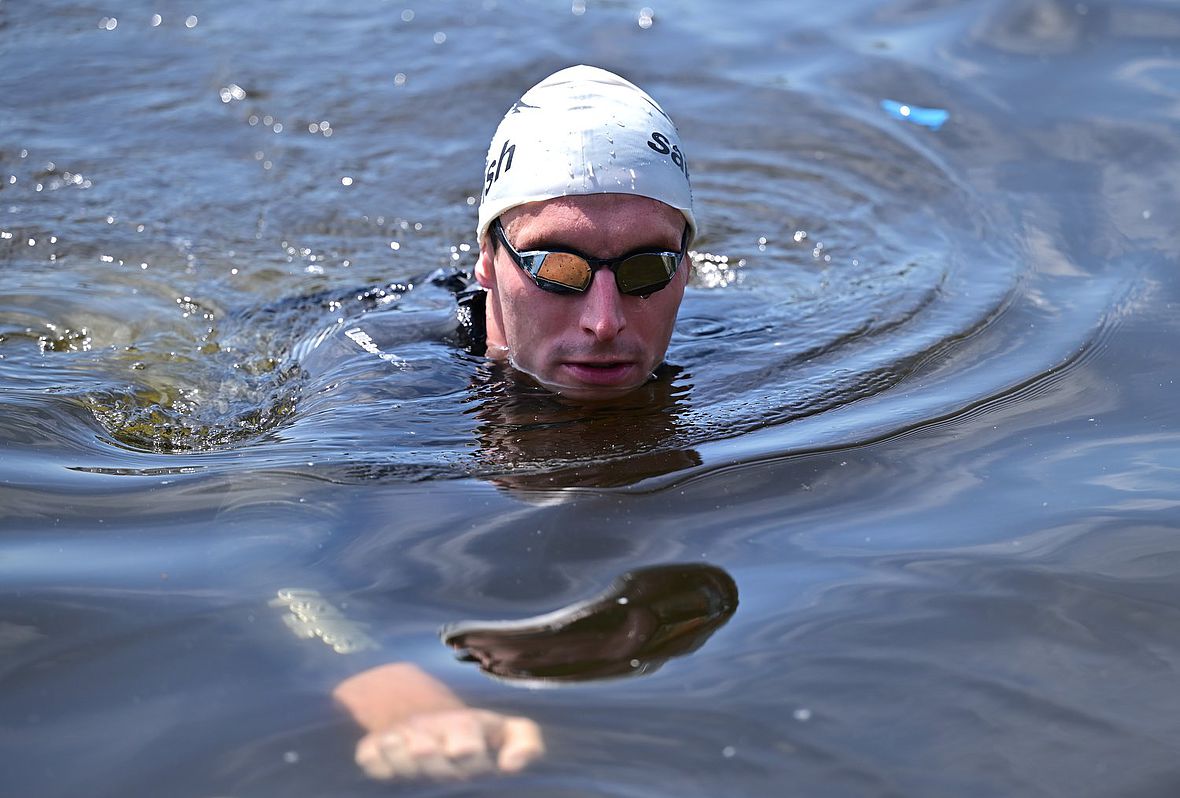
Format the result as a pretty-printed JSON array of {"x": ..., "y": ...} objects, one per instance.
[
  {"x": 530, "y": 440},
  {"x": 645, "y": 618}
]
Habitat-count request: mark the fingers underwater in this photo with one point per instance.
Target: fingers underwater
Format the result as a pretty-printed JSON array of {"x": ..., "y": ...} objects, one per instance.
[
  {"x": 521, "y": 744},
  {"x": 450, "y": 745}
]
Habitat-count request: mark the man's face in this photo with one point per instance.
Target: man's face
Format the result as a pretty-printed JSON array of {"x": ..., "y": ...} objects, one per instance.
[{"x": 594, "y": 345}]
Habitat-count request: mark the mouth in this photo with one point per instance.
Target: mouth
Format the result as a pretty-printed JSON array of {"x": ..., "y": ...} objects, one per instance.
[{"x": 605, "y": 373}]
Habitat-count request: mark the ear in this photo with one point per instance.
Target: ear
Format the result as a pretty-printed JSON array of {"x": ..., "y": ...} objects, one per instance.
[{"x": 485, "y": 267}]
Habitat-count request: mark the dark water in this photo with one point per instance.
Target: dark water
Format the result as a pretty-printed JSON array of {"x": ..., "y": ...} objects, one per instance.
[{"x": 921, "y": 408}]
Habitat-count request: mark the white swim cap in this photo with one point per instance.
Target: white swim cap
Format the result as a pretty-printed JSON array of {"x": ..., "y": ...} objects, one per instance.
[{"x": 584, "y": 130}]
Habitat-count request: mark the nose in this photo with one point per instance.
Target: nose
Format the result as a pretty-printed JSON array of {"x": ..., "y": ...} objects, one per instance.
[{"x": 602, "y": 307}]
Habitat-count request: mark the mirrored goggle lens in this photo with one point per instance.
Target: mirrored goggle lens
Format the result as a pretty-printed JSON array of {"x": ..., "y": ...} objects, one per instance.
[
  {"x": 638, "y": 274},
  {"x": 643, "y": 274},
  {"x": 566, "y": 269}
]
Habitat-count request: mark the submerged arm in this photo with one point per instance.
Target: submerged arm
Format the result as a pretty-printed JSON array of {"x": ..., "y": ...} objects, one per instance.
[{"x": 416, "y": 727}]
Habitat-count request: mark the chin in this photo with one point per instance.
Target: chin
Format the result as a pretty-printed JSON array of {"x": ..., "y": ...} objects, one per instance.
[{"x": 592, "y": 393}]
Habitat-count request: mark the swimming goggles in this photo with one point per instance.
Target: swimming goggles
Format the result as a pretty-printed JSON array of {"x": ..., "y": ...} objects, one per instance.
[{"x": 562, "y": 272}]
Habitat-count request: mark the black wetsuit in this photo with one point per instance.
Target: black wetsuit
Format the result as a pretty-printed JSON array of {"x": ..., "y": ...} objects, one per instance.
[{"x": 470, "y": 313}]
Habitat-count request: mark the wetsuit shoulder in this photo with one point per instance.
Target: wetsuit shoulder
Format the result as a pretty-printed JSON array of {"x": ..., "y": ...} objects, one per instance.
[{"x": 471, "y": 315}]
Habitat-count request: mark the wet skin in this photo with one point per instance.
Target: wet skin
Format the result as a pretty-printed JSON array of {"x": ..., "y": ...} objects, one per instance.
[{"x": 591, "y": 346}]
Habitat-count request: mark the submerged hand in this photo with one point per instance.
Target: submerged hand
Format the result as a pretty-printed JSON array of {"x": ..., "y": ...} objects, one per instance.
[{"x": 450, "y": 744}]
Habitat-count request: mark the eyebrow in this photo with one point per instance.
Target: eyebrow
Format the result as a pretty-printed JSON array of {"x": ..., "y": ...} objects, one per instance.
[{"x": 558, "y": 245}]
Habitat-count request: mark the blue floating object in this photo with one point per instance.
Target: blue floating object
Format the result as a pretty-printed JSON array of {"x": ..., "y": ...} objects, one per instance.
[{"x": 927, "y": 117}]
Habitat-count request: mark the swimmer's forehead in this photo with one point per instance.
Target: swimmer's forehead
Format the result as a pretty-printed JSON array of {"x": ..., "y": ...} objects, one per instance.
[{"x": 604, "y": 225}]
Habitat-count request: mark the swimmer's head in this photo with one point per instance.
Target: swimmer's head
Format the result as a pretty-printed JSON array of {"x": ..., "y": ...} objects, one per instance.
[
  {"x": 582, "y": 131},
  {"x": 585, "y": 171}
]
